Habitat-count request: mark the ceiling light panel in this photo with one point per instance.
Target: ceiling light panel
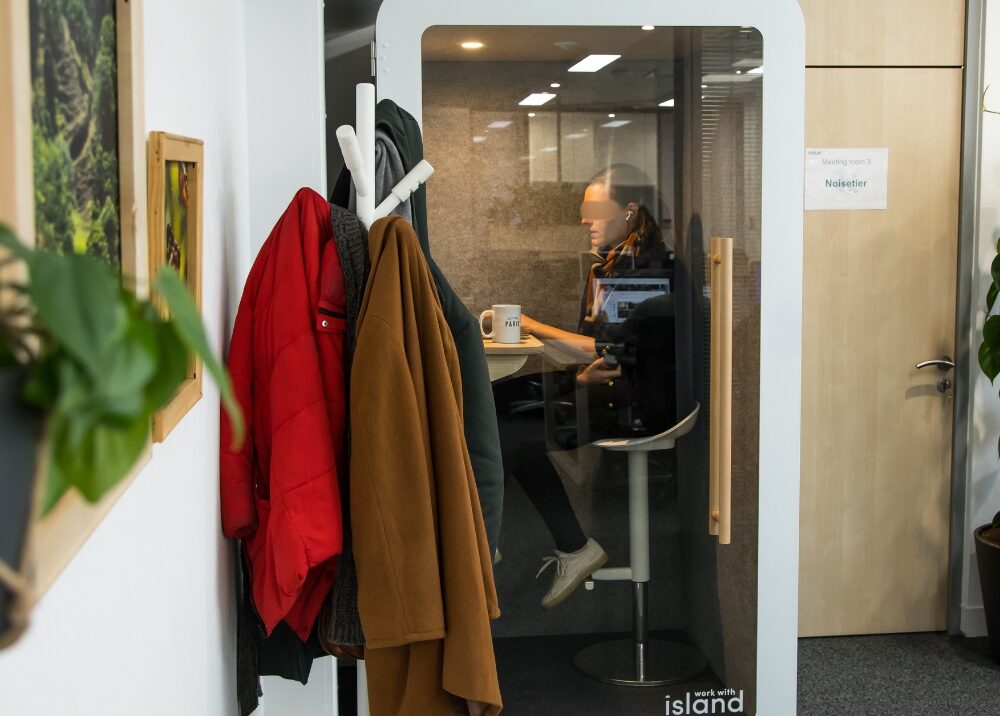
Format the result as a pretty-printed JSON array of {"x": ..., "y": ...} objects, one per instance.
[
  {"x": 593, "y": 63},
  {"x": 536, "y": 99}
]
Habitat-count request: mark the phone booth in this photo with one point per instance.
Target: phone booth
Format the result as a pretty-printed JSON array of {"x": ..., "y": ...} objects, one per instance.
[{"x": 628, "y": 176}]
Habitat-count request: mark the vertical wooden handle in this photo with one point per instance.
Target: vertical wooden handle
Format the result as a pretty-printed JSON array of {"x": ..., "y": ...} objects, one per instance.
[{"x": 721, "y": 387}]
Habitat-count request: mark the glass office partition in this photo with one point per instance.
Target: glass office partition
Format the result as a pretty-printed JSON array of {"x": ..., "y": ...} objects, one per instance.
[{"x": 581, "y": 174}]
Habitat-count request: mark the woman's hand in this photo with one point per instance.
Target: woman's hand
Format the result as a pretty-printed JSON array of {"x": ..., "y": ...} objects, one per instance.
[
  {"x": 528, "y": 323},
  {"x": 598, "y": 372}
]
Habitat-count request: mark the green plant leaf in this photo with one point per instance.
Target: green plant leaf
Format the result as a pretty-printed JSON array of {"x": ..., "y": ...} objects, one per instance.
[
  {"x": 55, "y": 487},
  {"x": 105, "y": 455},
  {"x": 184, "y": 316},
  {"x": 171, "y": 367},
  {"x": 989, "y": 361},
  {"x": 10, "y": 242},
  {"x": 996, "y": 520},
  {"x": 991, "y": 332},
  {"x": 78, "y": 302},
  {"x": 991, "y": 297},
  {"x": 41, "y": 388},
  {"x": 129, "y": 367},
  {"x": 995, "y": 269}
]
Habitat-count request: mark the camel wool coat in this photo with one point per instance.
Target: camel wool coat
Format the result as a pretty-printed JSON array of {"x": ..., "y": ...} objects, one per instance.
[{"x": 425, "y": 578}]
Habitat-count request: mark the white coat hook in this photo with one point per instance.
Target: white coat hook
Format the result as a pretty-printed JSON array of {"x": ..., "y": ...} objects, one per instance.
[
  {"x": 353, "y": 159},
  {"x": 402, "y": 191}
]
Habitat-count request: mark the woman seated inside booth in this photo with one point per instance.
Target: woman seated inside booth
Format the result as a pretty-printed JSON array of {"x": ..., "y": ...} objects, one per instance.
[{"x": 623, "y": 351}]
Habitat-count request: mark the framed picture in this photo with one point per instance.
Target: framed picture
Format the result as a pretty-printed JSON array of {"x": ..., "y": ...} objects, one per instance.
[
  {"x": 73, "y": 178},
  {"x": 175, "y": 184}
]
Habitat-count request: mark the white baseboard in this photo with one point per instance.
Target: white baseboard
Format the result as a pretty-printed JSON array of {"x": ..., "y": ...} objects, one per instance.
[{"x": 973, "y": 621}]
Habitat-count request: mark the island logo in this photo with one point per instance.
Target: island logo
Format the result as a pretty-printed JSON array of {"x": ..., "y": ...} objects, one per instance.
[{"x": 722, "y": 701}]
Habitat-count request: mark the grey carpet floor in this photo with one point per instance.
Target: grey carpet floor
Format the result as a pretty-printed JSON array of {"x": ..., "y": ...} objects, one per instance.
[{"x": 904, "y": 674}]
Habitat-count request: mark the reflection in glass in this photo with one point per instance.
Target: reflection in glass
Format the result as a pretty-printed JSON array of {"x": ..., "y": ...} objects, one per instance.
[{"x": 593, "y": 210}]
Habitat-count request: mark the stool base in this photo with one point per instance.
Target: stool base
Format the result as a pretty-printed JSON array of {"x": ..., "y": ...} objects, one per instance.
[{"x": 614, "y": 662}]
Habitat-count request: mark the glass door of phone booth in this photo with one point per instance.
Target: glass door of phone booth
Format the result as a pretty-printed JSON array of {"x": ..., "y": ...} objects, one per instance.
[{"x": 635, "y": 188}]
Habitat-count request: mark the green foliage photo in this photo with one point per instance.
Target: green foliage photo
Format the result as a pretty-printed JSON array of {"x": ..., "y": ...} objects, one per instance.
[
  {"x": 74, "y": 83},
  {"x": 100, "y": 362}
]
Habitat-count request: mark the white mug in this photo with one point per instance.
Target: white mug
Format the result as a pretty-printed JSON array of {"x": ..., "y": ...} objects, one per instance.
[{"x": 506, "y": 323}]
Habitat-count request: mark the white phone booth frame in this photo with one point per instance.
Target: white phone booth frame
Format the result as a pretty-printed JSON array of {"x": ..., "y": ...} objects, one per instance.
[{"x": 399, "y": 29}]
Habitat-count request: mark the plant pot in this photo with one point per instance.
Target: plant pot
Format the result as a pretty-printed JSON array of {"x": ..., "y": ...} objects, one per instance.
[
  {"x": 20, "y": 432},
  {"x": 988, "y": 559}
]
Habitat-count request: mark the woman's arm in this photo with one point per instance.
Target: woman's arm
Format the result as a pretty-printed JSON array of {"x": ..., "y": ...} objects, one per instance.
[{"x": 582, "y": 347}]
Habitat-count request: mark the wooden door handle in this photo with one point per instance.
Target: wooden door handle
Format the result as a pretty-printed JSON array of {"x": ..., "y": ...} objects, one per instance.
[{"x": 721, "y": 387}]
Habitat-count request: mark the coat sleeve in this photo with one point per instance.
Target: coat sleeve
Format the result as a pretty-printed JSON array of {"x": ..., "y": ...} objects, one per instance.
[{"x": 236, "y": 472}]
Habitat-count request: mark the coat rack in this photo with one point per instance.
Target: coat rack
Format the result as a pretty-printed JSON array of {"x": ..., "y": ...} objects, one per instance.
[{"x": 358, "y": 149}]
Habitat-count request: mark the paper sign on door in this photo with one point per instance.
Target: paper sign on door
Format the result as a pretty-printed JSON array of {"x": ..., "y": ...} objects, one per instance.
[{"x": 847, "y": 179}]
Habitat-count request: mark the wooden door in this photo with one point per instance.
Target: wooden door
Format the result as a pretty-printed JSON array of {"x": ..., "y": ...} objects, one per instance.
[
  {"x": 927, "y": 33},
  {"x": 879, "y": 296}
]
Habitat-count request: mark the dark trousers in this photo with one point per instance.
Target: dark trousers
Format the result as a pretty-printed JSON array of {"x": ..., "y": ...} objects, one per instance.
[{"x": 521, "y": 419}]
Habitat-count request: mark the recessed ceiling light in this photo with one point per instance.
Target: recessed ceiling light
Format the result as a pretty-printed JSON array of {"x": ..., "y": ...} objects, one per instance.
[
  {"x": 593, "y": 63},
  {"x": 616, "y": 123},
  {"x": 667, "y": 103},
  {"x": 576, "y": 135},
  {"x": 648, "y": 27},
  {"x": 748, "y": 62},
  {"x": 472, "y": 45},
  {"x": 531, "y": 114},
  {"x": 704, "y": 86},
  {"x": 550, "y": 149},
  {"x": 500, "y": 124},
  {"x": 756, "y": 71},
  {"x": 536, "y": 99},
  {"x": 479, "y": 138},
  {"x": 612, "y": 115},
  {"x": 555, "y": 85}
]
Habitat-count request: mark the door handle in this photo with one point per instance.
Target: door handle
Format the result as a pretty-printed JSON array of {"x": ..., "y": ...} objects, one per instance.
[
  {"x": 721, "y": 391},
  {"x": 943, "y": 363}
]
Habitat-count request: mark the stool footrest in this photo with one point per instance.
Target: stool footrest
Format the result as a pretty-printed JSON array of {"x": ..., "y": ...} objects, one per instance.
[{"x": 613, "y": 574}]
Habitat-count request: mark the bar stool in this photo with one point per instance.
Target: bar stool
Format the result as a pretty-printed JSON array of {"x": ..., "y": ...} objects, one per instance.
[{"x": 639, "y": 661}]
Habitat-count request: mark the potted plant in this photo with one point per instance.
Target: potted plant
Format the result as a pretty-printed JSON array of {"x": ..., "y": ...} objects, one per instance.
[
  {"x": 92, "y": 363},
  {"x": 988, "y": 536}
]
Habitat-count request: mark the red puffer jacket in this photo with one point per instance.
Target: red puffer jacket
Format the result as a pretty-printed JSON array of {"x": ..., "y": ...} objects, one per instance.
[{"x": 280, "y": 491}]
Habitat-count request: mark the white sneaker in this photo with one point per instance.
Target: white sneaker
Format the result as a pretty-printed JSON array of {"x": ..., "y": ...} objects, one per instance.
[{"x": 572, "y": 568}]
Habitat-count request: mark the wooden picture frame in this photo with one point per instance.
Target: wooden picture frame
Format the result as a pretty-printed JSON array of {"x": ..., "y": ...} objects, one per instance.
[
  {"x": 56, "y": 538},
  {"x": 175, "y": 183}
]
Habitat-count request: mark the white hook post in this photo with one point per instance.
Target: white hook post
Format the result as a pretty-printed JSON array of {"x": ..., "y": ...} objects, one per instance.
[{"x": 365, "y": 128}]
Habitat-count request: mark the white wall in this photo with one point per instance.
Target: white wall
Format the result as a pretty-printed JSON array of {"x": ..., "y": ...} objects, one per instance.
[
  {"x": 286, "y": 106},
  {"x": 286, "y": 120},
  {"x": 141, "y": 621},
  {"x": 983, "y": 489}
]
